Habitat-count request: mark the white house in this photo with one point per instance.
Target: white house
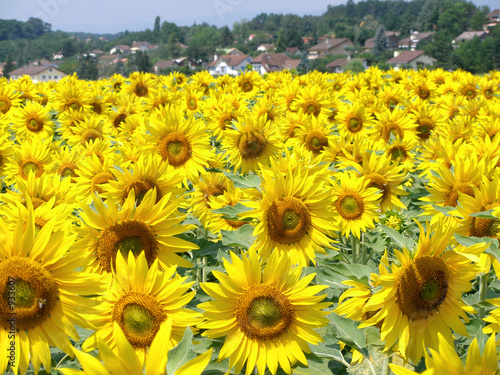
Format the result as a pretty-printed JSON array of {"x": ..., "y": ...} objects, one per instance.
[
  {"x": 229, "y": 64},
  {"x": 38, "y": 73}
]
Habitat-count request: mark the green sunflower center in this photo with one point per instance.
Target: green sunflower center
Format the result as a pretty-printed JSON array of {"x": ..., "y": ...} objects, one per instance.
[
  {"x": 137, "y": 319},
  {"x": 25, "y": 294},
  {"x": 192, "y": 104},
  {"x": 176, "y": 148},
  {"x": 133, "y": 244},
  {"x": 288, "y": 220},
  {"x": 430, "y": 290},
  {"x": 251, "y": 145},
  {"x": 141, "y": 90},
  {"x": 264, "y": 312},
  {"x": 291, "y": 219},
  {"x": 355, "y": 124},
  {"x": 350, "y": 206},
  {"x": 34, "y": 124},
  {"x": 30, "y": 166}
]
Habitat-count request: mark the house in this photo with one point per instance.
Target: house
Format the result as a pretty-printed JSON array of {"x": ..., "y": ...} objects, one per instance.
[
  {"x": 307, "y": 39},
  {"x": 468, "y": 35},
  {"x": 335, "y": 46},
  {"x": 415, "y": 38},
  {"x": 392, "y": 40},
  {"x": 229, "y": 64},
  {"x": 96, "y": 53},
  {"x": 122, "y": 49},
  {"x": 338, "y": 66},
  {"x": 40, "y": 73},
  {"x": 234, "y": 52},
  {"x": 58, "y": 55},
  {"x": 294, "y": 51},
  {"x": 108, "y": 59},
  {"x": 266, "y": 47},
  {"x": 414, "y": 59},
  {"x": 139, "y": 46},
  {"x": 161, "y": 65},
  {"x": 273, "y": 62},
  {"x": 494, "y": 16},
  {"x": 326, "y": 36}
]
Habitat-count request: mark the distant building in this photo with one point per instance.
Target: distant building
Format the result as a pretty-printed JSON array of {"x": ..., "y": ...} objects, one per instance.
[
  {"x": 294, "y": 51},
  {"x": 335, "y": 46},
  {"x": 392, "y": 40},
  {"x": 338, "y": 66},
  {"x": 108, "y": 59},
  {"x": 229, "y": 64},
  {"x": 266, "y": 47},
  {"x": 58, "y": 55},
  {"x": 415, "y": 38},
  {"x": 234, "y": 52},
  {"x": 96, "y": 53},
  {"x": 413, "y": 59},
  {"x": 40, "y": 73},
  {"x": 120, "y": 49},
  {"x": 494, "y": 16},
  {"x": 468, "y": 35},
  {"x": 273, "y": 62}
]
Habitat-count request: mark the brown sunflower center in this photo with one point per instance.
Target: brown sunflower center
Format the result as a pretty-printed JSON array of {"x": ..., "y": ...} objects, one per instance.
[
  {"x": 422, "y": 287},
  {"x": 398, "y": 153},
  {"x": 34, "y": 124},
  {"x": 225, "y": 121},
  {"x": 316, "y": 141},
  {"x": 73, "y": 103},
  {"x": 424, "y": 128},
  {"x": 246, "y": 85},
  {"x": 380, "y": 182},
  {"x": 192, "y": 104},
  {"x": 424, "y": 93},
  {"x": 28, "y": 291},
  {"x": 67, "y": 169},
  {"x": 98, "y": 179},
  {"x": 175, "y": 148},
  {"x": 469, "y": 92},
  {"x": 31, "y": 165},
  {"x": 141, "y": 89},
  {"x": 96, "y": 107},
  {"x": 91, "y": 135},
  {"x": 451, "y": 198},
  {"x": 482, "y": 227},
  {"x": 488, "y": 93},
  {"x": 311, "y": 107},
  {"x": 354, "y": 124},
  {"x": 119, "y": 119},
  {"x": 288, "y": 220},
  {"x": 141, "y": 187},
  {"x": 5, "y": 104},
  {"x": 251, "y": 145},
  {"x": 350, "y": 206},
  {"x": 128, "y": 236},
  {"x": 213, "y": 191},
  {"x": 140, "y": 316},
  {"x": 263, "y": 312},
  {"x": 391, "y": 128}
]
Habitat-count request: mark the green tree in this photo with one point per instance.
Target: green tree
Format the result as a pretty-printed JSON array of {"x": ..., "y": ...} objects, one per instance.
[
  {"x": 479, "y": 19},
  {"x": 142, "y": 63},
  {"x": 87, "y": 69},
  {"x": 8, "y": 67},
  {"x": 380, "y": 42},
  {"x": 68, "y": 48},
  {"x": 355, "y": 66},
  {"x": 156, "y": 29},
  {"x": 226, "y": 37}
]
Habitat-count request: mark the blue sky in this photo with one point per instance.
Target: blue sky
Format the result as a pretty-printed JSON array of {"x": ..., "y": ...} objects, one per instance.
[{"x": 112, "y": 16}]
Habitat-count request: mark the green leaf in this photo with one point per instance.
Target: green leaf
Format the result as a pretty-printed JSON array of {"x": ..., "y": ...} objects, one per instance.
[
  {"x": 346, "y": 330},
  {"x": 315, "y": 366},
  {"x": 356, "y": 272},
  {"x": 182, "y": 353},
  {"x": 484, "y": 215},
  {"x": 250, "y": 181},
  {"x": 324, "y": 351},
  {"x": 398, "y": 238},
  {"x": 444, "y": 210},
  {"x": 243, "y": 237},
  {"x": 232, "y": 212}
]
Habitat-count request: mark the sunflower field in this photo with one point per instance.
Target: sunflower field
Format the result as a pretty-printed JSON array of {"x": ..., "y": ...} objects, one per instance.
[{"x": 286, "y": 224}]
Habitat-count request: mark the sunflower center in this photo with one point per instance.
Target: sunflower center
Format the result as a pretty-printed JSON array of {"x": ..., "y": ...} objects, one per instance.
[
  {"x": 134, "y": 236},
  {"x": 141, "y": 89},
  {"x": 98, "y": 179},
  {"x": 28, "y": 290},
  {"x": 392, "y": 128},
  {"x": 96, "y": 107},
  {"x": 31, "y": 165},
  {"x": 380, "y": 182},
  {"x": 355, "y": 124},
  {"x": 311, "y": 107},
  {"x": 4, "y": 104},
  {"x": 481, "y": 227},
  {"x": 451, "y": 198},
  {"x": 316, "y": 141},
  {"x": 225, "y": 121},
  {"x": 251, "y": 145},
  {"x": 139, "y": 316},
  {"x": 119, "y": 119},
  {"x": 141, "y": 187},
  {"x": 288, "y": 220},
  {"x": 422, "y": 287},
  {"x": 91, "y": 135},
  {"x": 66, "y": 170},
  {"x": 398, "y": 153},
  {"x": 192, "y": 105},
  {"x": 487, "y": 93},
  {"x": 350, "y": 206},
  {"x": 424, "y": 93},
  {"x": 74, "y": 104},
  {"x": 34, "y": 124},
  {"x": 175, "y": 148},
  {"x": 263, "y": 312},
  {"x": 246, "y": 86},
  {"x": 212, "y": 191},
  {"x": 424, "y": 128}
]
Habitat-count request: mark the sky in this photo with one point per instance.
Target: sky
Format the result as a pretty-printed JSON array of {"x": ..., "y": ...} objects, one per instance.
[{"x": 113, "y": 16}]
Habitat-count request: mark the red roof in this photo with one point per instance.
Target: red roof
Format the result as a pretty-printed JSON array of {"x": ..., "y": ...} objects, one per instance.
[
  {"x": 405, "y": 57},
  {"x": 230, "y": 60}
]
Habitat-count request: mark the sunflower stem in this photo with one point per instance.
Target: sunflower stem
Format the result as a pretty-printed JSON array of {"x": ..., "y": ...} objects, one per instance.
[
  {"x": 204, "y": 270},
  {"x": 370, "y": 364},
  {"x": 355, "y": 249},
  {"x": 385, "y": 366},
  {"x": 483, "y": 289},
  {"x": 62, "y": 360}
]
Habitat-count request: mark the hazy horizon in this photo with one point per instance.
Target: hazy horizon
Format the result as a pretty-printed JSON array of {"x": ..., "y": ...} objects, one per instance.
[{"x": 114, "y": 16}]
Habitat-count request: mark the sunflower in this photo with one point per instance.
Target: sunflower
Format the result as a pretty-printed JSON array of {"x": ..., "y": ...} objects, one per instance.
[
  {"x": 182, "y": 142},
  {"x": 191, "y": 100},
  {"x": 312, "y": 100},
  {"x": 445, "y": 360},
  {"x": 289, "y": 125},
  {"x": 385, "y": 176},
  {"x": 93, "y": 177},
  {"x": 141, "y": 84},
  {"x": 251, "y": 143},
  {"x": 34, "y": 156},
  {"x": 422, "y": 87},
  {"x": 249, "y": 82},
  {"x": 427, "y": 118},
  {"x": 6, "y": 151},
  {"x": 149, "y": 227},
  {"x": 391, "y": 96},
  {"x": 158, "y": 97},
  {"x": 422, "y": 296},
  {"x": 355, "y": 204},
  {"x": 92, "y": 128},
  {"x": 294, "y": 215},
  {"x": 314, "y": 134},
  {"x": 140, "y": 299},
  {"x": 72, "y": 94},
  {"x": 66, "y": 161},
  {"x": 353, "y": 121},
  {"x": 41, "y": 290},
  {"x": 396, "y": 122},
  {"x": 220, "y": 118},
  {"x": 267, "y": 316},
  {"x": 149, "y": 172},
  {"x": 9, "y": 98}
]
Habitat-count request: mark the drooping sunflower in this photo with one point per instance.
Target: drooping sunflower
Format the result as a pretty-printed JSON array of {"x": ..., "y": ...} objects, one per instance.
[
  {"x": 182, "y": 142},
  {"x": 294, "y": 215},
  {"x": 93, "y": 177},
  {"x": 66, "y": 161},
  {"x": 41, "y": 294},
  {"x": 251, "y": 141},
  {"x": 140, "y": 299},
  {"x": 267, "y": 316},
  {"x": 355, "y": 204},
  {"x": 422, "y": 296},
  {"x": 445, "y": 360},
  {"x": 148, "y": 227}
]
